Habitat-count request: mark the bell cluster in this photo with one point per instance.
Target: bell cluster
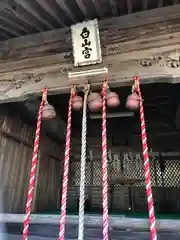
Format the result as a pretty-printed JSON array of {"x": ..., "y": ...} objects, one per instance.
[
  {"x": 95, "y": 102},
  {"x": 112, "y": 100}
]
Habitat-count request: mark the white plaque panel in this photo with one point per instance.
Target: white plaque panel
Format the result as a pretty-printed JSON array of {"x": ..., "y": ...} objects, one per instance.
[{"x": 86, "y": 43}]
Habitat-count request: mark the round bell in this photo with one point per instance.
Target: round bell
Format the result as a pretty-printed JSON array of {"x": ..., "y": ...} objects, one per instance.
[
  {"x": 94, "y": 102},
  {"x": 132, "y": 102},
  {"x": 48, "y": 111},
  {"x": 112, "y": 99},
  {"x": 77, "y": 102}
]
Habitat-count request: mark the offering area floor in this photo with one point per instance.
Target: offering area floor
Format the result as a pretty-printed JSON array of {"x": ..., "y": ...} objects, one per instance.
[{"x": 49, "y": 231}]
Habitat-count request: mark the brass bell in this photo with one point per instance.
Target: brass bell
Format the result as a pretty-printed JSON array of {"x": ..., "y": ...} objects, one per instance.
[
  {"x": 94, "y": 102},
  {"x": 48, "y": 111},
  {"x": 77, "y": 102},
  {"x": 132, "y": 102},
  {"x": 112, "y": 99}
]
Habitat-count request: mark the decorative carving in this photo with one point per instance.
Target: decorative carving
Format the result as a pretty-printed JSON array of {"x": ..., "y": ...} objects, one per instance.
[
  {"x": 68, "y": 56},
  {"x": 114, "y": 48},
  {"x": 39, "y": 78},
  {"x": 109, "y": 65},
  {"x": 27, "y": 78},
  {"x": 21, "y": 79},
  {"x": 18, "y": 81},
  {"x": 158, "y": 58},
  {"x": 172, "y": 62},
  {"x": 64, "y": 70},
  {"x": 148, "y": 62},
  {"x": 6, "y": 85}
]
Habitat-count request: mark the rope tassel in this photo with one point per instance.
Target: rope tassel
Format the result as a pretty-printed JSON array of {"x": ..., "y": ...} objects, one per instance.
[
  {"x": 66, "y": 171},
  {"x": 83, "y": 166},
  {"x": 33, "y": 168},
  {"x": 146, "y": 164},
  {"x": 104, "y": 167}
]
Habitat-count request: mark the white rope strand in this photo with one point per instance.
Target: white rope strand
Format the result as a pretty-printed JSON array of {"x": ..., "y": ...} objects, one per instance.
[{"x": 83, "y": 168}]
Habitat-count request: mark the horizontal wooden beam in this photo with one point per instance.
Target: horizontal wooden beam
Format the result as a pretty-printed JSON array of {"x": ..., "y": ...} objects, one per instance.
[{"x": 145, "y": 43}]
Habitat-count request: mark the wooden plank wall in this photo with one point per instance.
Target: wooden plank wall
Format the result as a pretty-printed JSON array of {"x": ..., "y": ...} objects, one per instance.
[
  {"x": 49, "y": 181},
  {"x": 16, "y": 146}
]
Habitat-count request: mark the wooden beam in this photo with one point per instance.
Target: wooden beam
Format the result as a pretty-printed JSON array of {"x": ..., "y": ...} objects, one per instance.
[
  {"x": 4, "y": 35},
  {"x": 13, "y": 23},
  {"x": 27, "y": 20},
  {"x": 9, "y": 30},
  {"x": 25, "y": 5},
  {"x": 112, "y": 29},
  {"x": 145, "y": 43},
  {"x": 82, "y": 7},
  {"x": 98, "y": 8},
  {"x": 63, "y": 5},
  {"x": 50, "y": 11}
]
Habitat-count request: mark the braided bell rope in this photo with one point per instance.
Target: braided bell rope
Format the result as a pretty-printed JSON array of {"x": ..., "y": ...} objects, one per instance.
[{"x": 83, "y": 167}]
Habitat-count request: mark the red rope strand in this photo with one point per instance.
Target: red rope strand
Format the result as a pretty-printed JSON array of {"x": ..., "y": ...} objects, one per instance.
[
  {"x": 33, "y": 170},
  {"x": 146, "y": 165},
  {"x": 104, "y": 168},
  {"x": 65, "y": 174}
]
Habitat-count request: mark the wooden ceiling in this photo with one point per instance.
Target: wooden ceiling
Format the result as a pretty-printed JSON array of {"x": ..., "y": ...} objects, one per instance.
[{"x": 23, "y": 17}]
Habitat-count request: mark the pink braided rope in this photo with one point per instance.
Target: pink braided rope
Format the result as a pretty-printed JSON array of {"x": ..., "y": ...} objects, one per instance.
[
  {"x": 104, "y": 169},
  {"x": 65, "y": 174},
  {"x": 146, "y": 165},
  {"x": 33, "y": 171}
]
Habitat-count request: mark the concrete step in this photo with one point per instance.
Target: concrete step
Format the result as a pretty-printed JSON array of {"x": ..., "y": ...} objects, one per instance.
[{"x": 45, "y": 231}]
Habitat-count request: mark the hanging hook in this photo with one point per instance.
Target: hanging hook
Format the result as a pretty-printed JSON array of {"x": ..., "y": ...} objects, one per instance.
[
  {"x": 105, "y": 84},
  {"x": 73, "y": 90},
  {"x": 86, "y": 89},
  {"x": 105, "y": 87},
  {"x": 136, "y": 78},
  {"x": 44, "y": 96},
  {"x": 135, "y": 86},
  {"x": 77, "y": 101}
]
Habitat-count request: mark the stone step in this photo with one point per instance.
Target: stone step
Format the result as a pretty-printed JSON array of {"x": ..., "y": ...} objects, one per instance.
[{"x": 47, "y": 232}]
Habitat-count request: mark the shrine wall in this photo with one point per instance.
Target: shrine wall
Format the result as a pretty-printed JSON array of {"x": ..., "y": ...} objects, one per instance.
[{"x": 16, "y": 141}]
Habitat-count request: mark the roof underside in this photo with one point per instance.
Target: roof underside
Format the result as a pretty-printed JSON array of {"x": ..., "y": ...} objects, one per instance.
[{"x": 23, "y": 17}]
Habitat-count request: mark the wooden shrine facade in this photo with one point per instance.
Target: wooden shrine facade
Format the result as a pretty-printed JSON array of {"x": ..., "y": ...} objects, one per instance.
[{"x": 145, "y": 43}]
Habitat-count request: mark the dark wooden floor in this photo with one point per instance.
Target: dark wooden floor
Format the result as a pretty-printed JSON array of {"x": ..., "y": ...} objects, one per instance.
[{"x": 51, "y": 232}]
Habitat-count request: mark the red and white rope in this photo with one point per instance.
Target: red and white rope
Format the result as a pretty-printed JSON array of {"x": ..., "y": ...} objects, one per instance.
[
  {"x": 33, "y": 169},
  {"x": 146, "y": 165},
  {"x": 65, "y": 173},
  {"x": 104, "y": 168}
]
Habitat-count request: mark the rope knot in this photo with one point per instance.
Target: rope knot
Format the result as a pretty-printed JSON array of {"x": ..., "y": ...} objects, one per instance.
[
  {"x": 73, "y": 90},
  {"x": 104, "y": 88},
  {"x": 87, "y": 89},
  {"x": 44, "y": 96},
  {"x": 135, "y": 87}
]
